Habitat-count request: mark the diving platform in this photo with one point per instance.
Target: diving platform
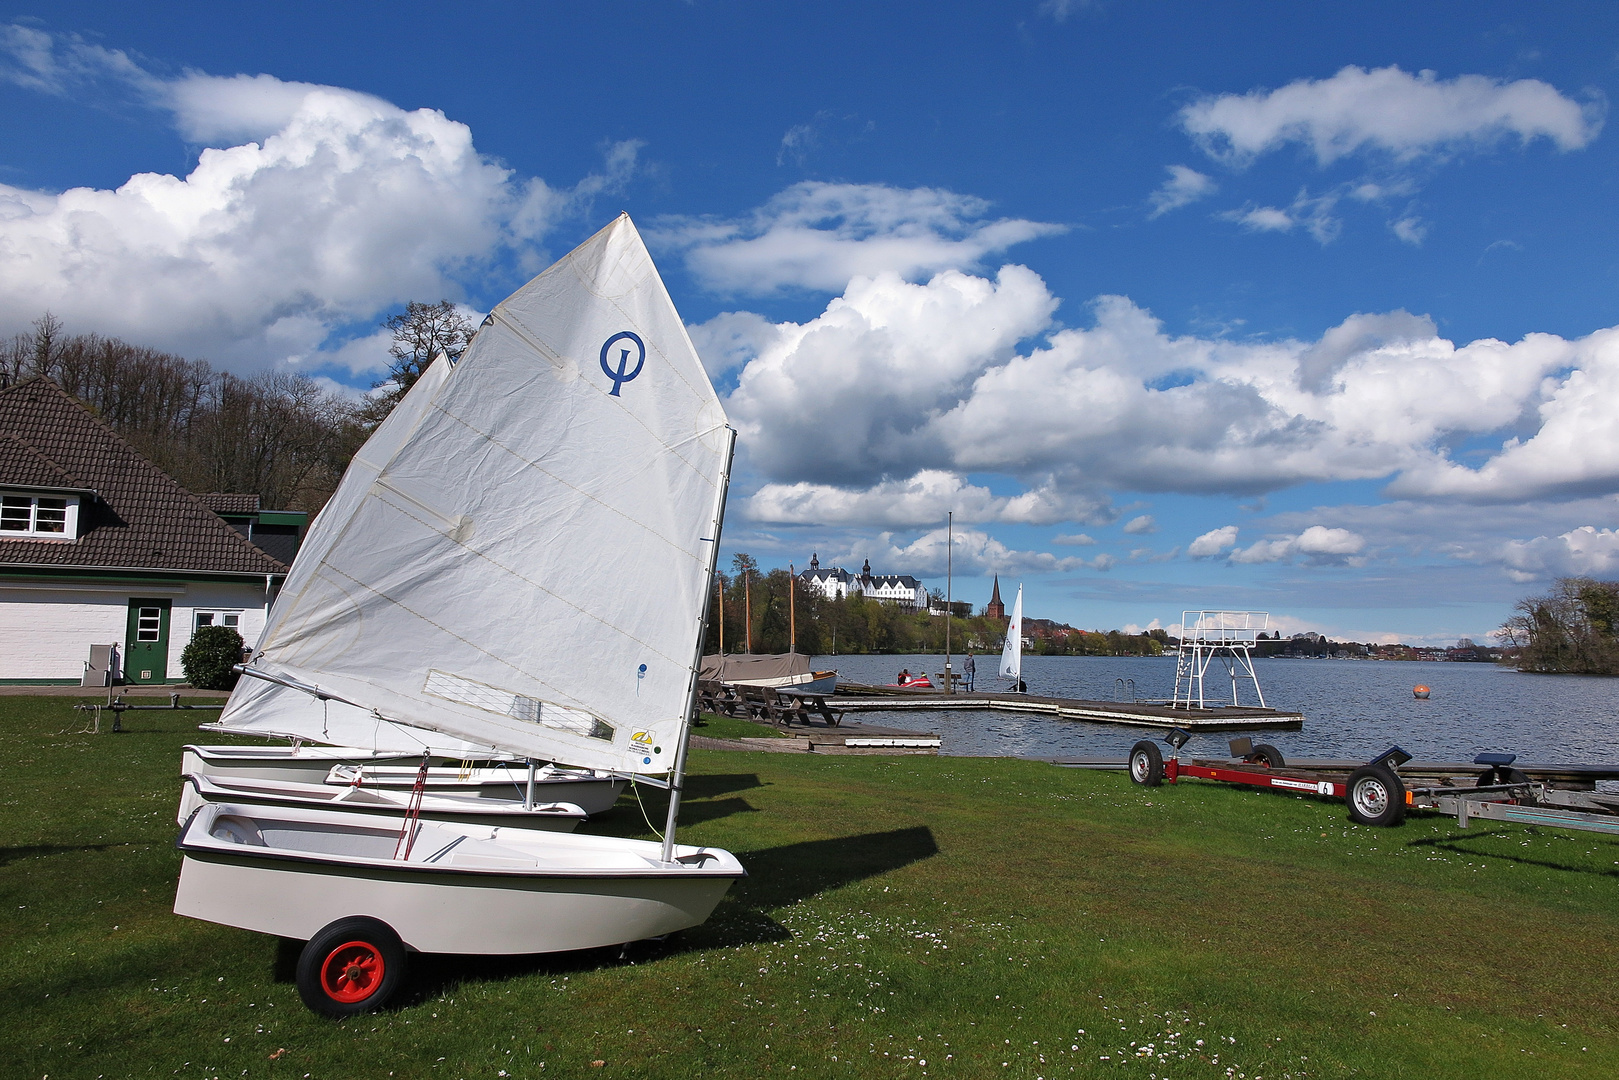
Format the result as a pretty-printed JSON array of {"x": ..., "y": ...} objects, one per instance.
[{"x": 853, "y": 697}]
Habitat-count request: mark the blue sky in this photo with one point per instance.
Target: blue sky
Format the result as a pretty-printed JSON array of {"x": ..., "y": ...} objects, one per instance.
[{"x": 1305, "y": 308}]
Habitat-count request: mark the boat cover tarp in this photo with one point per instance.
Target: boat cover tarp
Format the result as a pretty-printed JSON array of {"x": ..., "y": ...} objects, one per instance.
[
  {"x": 523, "y": 561},
  {"x": 750, "y": 666}
]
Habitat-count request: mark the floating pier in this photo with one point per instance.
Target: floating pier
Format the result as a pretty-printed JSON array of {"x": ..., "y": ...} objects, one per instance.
[
  {"x": 818, "y": 737},
  {"x": 858, "y": 698}
]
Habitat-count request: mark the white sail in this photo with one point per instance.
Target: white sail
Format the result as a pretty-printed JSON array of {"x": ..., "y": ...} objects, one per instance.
[
  {"x": 1012, "y": 654},
  {"x": 263, "y": 708},
  {"x": 523, "y": 562}
]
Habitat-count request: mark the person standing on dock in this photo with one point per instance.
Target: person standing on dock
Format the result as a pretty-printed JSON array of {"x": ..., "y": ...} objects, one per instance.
[{"x": 969, "y": 669}]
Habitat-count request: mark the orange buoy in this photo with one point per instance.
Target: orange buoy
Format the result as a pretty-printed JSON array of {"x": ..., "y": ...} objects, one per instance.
[{"x": 1419, "y": 691}]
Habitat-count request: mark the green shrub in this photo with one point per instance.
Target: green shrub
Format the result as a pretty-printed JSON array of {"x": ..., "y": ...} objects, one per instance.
[{"x": 208, "y": 660}]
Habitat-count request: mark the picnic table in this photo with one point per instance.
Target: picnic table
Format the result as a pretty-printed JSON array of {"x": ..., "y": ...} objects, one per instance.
[{"x": 778, "y": 705}]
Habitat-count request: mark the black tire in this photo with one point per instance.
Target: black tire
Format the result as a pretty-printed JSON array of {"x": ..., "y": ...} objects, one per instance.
[
  {"x": 1146, "y": 764},
  {"x": 1267, "y": 755},
  {"x": 353, "y": 965},
  {"x": 1376, "y": 796}
]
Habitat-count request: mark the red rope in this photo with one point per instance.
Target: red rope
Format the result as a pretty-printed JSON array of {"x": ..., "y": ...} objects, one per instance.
[{"x": 413, "y": 812}]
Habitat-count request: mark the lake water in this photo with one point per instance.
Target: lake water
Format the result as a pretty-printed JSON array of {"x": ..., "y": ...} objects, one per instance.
[{"x": 1352, "y": 708}]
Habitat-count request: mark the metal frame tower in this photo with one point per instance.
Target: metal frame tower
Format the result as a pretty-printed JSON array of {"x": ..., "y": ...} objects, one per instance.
[{"x": 1223, "y": 636}]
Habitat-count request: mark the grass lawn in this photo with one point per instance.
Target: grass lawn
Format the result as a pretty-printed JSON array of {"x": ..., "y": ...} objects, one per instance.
[
  {"x": 715, "y": 726},
  {"x": 905, "y": 917}
]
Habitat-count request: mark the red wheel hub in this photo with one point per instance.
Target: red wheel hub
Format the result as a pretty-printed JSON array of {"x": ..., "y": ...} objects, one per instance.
[{"x": 352, "y": 972}]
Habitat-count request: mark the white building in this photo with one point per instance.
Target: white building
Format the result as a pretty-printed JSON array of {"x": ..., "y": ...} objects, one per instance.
[
  {"x": 901, "y": 590},
  {"x": 99, "y": 547}
]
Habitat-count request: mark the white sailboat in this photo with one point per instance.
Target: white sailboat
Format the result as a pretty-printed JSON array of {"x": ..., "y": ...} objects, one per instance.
[
  {"x": 1012, "y": 653},
  {"x": 521, "y": 565}
]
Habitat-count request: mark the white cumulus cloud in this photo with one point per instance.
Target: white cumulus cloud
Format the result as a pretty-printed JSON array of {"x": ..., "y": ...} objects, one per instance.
[
  {"x": 920, "y": 500},
  {"x": 1185, "y": 185},
  {"x": 1140, "y": 526},
  {"x": 965, "y": 374},
  {"x": 1317, "y": 544},
  {"x": 343, "y": 205},
  {"x": 820, "y": 235},
  {"x": 1583, "y": 552},
  {"x": 975, "y": 552},
  {"x": 1213, "y": 542},
  {"x": 1388, "y": 110}
]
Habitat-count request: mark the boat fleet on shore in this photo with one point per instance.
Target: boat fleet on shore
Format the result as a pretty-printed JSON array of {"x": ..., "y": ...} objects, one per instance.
[{"x": 491, "y": 629}]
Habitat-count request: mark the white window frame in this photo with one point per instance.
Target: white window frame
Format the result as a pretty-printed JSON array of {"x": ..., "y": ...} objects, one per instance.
[
  {"x": 216, "y": 617},
  {"x": 69, "y": 510}
]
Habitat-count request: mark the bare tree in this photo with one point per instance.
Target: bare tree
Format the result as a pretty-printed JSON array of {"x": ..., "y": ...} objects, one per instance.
[
  {"x": 420, "y": 333},
  {"x": 1569, "y": 630},
  {"x": 276, "y": 435}
]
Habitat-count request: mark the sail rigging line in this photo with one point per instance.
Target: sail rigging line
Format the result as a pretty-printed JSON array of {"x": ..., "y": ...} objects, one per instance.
[{"x": 413, "y": 812}]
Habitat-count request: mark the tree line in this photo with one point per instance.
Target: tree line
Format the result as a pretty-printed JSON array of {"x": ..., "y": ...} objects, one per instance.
[
  {"x": 1569, "y": 630},
  {"x": 766, "y": 607},
  {"x": 278, "y": 435}
]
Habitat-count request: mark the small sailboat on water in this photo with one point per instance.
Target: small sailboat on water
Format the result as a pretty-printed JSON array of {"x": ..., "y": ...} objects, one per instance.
[
  {"x": 520, "y": 566},
  {"x": 1012, "y": 652}
]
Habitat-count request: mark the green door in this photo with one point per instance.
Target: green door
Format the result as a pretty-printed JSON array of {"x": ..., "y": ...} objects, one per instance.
[{"x": 146, "y": 644}]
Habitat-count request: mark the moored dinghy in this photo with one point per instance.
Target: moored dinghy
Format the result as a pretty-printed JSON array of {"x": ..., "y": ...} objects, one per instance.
[{"x": 522, "y": 564}]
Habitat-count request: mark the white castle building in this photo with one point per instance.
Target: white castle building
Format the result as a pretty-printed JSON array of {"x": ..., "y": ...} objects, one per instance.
[{"x": 901, "y": 590}]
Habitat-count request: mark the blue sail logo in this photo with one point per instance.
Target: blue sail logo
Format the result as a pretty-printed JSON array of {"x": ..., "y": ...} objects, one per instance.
[{"x": 622, "y": 374}]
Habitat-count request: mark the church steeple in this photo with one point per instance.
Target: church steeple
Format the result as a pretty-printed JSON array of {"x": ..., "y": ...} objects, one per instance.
[{"x": 995, "y": 609}]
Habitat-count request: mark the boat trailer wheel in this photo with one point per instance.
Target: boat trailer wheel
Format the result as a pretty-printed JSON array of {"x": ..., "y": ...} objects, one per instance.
[
  {"x": 1376, "y": 796},
  {"x": 352, "y": 966},
  {"x": 1267, "y": 755},
  {"x": 1146, "y": 763}
]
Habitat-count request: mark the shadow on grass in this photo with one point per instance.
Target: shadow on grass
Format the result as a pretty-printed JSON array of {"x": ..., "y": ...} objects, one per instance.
[
  {"x": 708, "y": 785},
  {"x": 777, "y": 877},
  {"x": 30, "y": 851},
  {"x": 1458, "y": 845}
]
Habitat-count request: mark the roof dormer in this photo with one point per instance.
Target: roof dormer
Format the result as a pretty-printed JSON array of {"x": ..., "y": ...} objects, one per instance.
[{"x": 47, "y": 514}]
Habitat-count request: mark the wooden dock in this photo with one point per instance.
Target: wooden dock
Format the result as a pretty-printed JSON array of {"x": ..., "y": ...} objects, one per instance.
[
  {"x": 857, "y": 698},
  {"x": 818, "y": 737}
]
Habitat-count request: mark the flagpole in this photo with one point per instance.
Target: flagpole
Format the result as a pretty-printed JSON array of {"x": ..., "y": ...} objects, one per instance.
[{"x": 949, "y": 577}]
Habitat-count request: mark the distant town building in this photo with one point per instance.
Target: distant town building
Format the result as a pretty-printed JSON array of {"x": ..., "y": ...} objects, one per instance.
[
  {"x": 995, "y": 609},
  {"x": 901, "y": 590}
]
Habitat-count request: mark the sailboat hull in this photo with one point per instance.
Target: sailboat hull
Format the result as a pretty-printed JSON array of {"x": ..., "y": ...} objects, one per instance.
[
  {"x": 386, "y": 803},
  {"x": 575, "y": 893},
  {"x": 592, "y": 792}
]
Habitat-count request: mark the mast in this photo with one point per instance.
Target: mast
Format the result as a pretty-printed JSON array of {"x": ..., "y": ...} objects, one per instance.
[
  {"x": 677, "y": 775},
  {"x": 747, "y": 606},
  {"x": 792, "y": 609},
  {"x": 719, "y": 587},
  {"x": 949, "y": 577}
]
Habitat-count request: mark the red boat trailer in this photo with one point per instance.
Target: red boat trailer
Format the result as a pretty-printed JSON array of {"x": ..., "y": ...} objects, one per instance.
[{"x": 1377, "y": 794}]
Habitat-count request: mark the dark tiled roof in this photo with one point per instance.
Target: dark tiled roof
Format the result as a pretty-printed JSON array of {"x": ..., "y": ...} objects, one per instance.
[
  {"x": 221, "y": 502},
  {"x": 143, "y": 519}
]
